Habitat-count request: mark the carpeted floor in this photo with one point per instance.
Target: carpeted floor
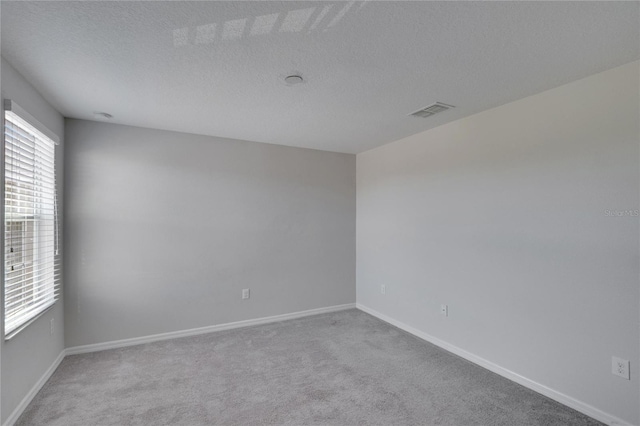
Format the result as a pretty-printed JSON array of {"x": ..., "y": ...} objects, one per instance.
[{"x": 345, "y": 368}]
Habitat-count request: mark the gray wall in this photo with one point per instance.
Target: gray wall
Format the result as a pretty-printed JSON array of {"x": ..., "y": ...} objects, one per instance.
[
  {"x": 27, "y": 356},
  {"x": 502, "y": 216},
  {"x": 164, "y": 229}
]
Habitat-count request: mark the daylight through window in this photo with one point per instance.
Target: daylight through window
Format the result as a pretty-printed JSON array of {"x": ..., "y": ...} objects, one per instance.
[{"x": 30, "y": 223}]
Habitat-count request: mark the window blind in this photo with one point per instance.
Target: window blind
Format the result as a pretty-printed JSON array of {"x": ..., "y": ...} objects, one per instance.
[{"x": 31, "y": 261}]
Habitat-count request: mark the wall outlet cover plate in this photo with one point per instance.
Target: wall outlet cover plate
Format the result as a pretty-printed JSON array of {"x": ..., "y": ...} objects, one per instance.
[
  {"x": 620, "y": 367},
  {"x": 444, "y": 310}
]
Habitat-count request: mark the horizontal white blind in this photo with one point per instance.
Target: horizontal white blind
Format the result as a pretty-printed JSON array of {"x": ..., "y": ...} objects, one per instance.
[{"x": 31, "y": 261}]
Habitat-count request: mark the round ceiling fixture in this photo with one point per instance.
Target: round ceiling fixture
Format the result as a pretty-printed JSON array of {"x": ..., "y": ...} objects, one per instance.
[
  {"x": 102, "y": 116},
  {"x": 293, "y": 79}
]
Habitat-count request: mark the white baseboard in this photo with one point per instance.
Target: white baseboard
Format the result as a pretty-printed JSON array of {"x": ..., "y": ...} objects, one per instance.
[
  {"x": 528, "y": 383},
  {"x": 203, "y": 330},
  {"x": 34, "y": 390}
]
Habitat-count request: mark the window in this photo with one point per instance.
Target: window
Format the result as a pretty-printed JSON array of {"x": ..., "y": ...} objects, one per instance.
[{"x": 30, "y": 221}]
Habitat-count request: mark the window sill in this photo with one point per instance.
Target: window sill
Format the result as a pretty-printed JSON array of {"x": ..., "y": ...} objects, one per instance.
[{"x": 15, "y": 332}]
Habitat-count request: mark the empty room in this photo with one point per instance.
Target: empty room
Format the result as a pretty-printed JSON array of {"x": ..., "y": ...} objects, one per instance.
[{"x": 320, "y": 213}]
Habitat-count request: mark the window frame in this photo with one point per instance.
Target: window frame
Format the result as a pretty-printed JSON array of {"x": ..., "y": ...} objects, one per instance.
[{"x": 44, "y": 258}]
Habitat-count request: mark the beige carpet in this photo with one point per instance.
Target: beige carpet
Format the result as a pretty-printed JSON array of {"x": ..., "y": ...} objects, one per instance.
[{"x": 346, "y": 368}]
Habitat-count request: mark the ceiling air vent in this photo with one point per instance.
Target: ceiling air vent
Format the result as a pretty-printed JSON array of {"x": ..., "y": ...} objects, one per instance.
[{"x": 432, "y": 109}]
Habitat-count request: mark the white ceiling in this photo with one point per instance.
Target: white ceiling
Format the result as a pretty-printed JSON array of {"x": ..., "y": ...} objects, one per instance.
[{"x": 217, "y": 68}]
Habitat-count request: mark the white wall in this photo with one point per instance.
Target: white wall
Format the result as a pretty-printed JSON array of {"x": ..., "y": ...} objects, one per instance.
[
  {"x": 164, "y": 229},
  {"x": 502, "y": 216},
  {"x": 27, "y": 356}
]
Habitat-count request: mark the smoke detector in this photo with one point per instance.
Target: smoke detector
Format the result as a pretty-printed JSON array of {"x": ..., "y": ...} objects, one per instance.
[{"x": 432, "y": 109}]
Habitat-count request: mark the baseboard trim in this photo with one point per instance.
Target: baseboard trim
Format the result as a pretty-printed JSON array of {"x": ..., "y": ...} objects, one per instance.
[
  {"x": 15, "y": 415},
  {"x": 515, "y": 377},
  {"x": 203, "y": 330}
]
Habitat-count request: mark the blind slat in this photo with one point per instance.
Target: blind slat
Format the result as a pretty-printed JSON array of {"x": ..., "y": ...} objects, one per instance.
[{"x": 30, "y": 298}]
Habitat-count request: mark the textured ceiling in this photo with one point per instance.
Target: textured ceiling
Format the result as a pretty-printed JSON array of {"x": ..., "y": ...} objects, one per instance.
[{"x": 217, "y": 68}]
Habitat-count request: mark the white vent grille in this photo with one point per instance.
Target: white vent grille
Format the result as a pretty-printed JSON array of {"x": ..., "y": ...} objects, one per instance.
[{"x": 432, "y": 109}]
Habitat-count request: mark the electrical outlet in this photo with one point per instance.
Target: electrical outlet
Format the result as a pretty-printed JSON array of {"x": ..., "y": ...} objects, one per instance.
[
  {"x": 444, "y": 310},
  {"x": 620, "y": 367},
  {"x": 383, "y": 289},
  {"x": 245, "y": 293},
  {"x": 52, "y": 326}
]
